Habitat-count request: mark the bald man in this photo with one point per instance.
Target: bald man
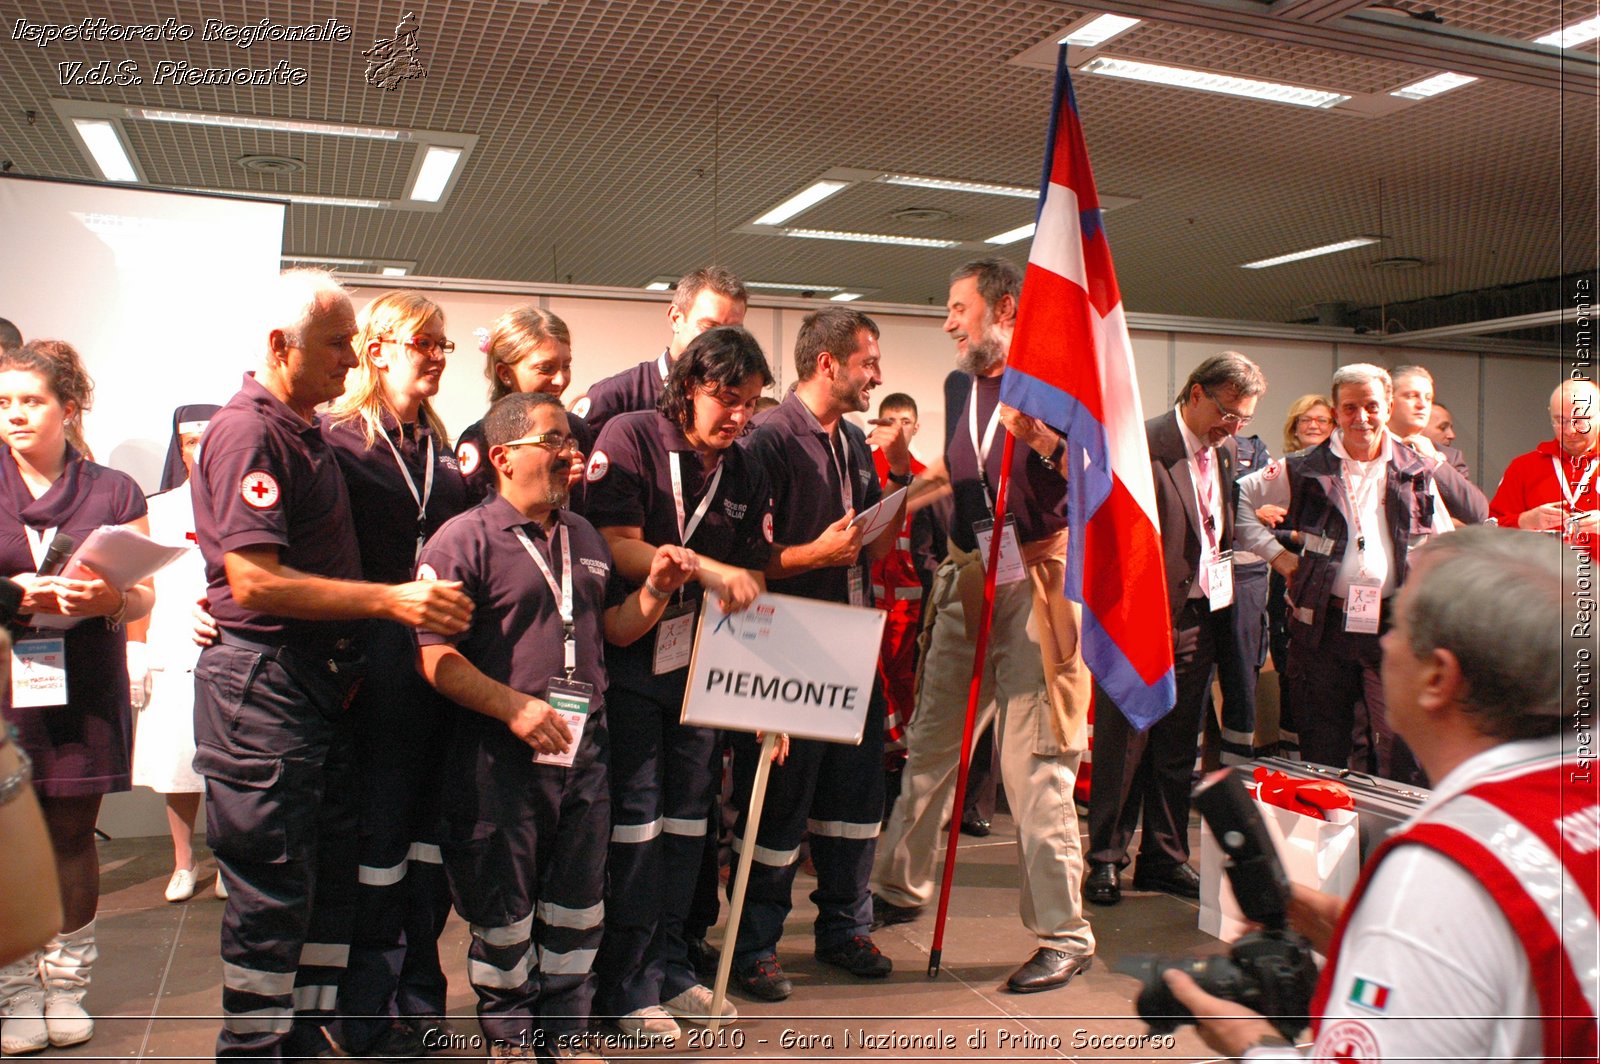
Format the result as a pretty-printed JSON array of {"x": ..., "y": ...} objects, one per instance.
[{"x": 1553, "y": 487}]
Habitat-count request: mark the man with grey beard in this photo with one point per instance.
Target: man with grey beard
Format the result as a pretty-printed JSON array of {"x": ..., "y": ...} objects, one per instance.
[{"x": 1034, "y": 683}]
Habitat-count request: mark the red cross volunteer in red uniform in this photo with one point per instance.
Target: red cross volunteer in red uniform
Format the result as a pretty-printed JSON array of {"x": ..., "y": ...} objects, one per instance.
[{"x": 1471, "y": 935}]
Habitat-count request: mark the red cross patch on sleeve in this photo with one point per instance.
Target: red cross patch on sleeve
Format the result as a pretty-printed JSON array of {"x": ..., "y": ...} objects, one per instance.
[{"x": 259, "y": 490}]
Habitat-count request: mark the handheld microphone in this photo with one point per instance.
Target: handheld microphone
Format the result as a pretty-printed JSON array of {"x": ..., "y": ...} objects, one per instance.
[{"x": 55, "y": 559}]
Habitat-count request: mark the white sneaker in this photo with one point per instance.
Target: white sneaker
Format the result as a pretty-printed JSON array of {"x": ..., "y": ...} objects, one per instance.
[
  {"x": 181, "y": 886},
  {"x": 221, "y": 888},
  {"x": 649, "y": 1024},
  {"x": 22, "y": 1008},
  {"x": 694, "y": 1006}
]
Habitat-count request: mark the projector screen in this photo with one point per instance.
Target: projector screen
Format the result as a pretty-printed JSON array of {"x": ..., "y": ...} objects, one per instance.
[{"x": 147, "y": 285}]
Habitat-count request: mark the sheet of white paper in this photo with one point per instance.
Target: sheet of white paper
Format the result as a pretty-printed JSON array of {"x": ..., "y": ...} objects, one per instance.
[{"x": 874, "y": 519}]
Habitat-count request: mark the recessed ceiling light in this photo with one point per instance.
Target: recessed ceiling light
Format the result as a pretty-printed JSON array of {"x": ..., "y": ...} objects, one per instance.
[
  {"x": 1573, "y": 35},
  {"x": 787, "y": 287},
  {"x": 1011, "y": 236},
  {"x": 1207, "y": 81},
  {"x": 433, "y": 176},
  {"x": 868, "y": 238},
  {"x": 1309, "y": 253},
  {"x": 105, "y": 145},
  {"x": 658, "y": 286},
  {"x": 803, "y": 200},
  {"x": 1098, "y": 30},
  {"x": 268, "y": 125},
  {"x": 394, "y": 271},
  {"x": 953, "y": 185},
  {"x": 1433, "y": 86},
  {"x": 845, "y": 297}
]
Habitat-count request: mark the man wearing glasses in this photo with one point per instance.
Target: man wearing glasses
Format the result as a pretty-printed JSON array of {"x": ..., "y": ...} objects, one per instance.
[
  {"x": 1192, "y": 455},
  {"x": 1362, "y": 501},
  {"x": 1553, "y": 488}
]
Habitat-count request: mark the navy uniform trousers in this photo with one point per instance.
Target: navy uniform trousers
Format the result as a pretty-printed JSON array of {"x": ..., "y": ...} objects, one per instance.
[
  {"x": 272, "y": 737},
  {"x": 833, "y": 792},
  {"x": 525, "y": 854},
  {"x": 400, "y": 726},
  {"x": 661, "y": 790}
]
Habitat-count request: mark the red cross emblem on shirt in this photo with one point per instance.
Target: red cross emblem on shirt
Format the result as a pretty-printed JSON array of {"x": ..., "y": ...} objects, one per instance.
[{"x": 259, "y": 490}]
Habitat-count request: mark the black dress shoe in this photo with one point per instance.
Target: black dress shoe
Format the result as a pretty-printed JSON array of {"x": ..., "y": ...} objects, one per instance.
[
  {"x": 1104, "y": 885},
  {"x": 1047, "y": 969},
  {"x": 703, "y": 958},
  {"x": 975, "y": 826},
  {"x": 887, "y": 913},
  {"x": 1179, "y": 879}
]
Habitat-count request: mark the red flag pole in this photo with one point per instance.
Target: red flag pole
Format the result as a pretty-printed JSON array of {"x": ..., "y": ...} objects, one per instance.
[{"x": 979, "y": 653}]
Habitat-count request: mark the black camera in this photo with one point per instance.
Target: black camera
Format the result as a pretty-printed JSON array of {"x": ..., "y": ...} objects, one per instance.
[{"x": 1272, "y": 971}]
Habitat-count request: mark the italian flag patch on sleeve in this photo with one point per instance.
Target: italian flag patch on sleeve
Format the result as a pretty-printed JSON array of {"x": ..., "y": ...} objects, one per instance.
[{"x": 1374, "y": 997}]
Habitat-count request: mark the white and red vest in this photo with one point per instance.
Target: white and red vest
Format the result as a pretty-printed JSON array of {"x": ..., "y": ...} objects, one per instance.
[{"x": 1530, "y": 834}]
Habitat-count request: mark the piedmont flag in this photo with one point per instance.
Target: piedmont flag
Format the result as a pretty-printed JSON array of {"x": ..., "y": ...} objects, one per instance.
[{"x": 1071, "y": 366}]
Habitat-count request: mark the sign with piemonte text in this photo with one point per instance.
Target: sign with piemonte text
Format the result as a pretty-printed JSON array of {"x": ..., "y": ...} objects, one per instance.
[{"x": 792, "y": 665}]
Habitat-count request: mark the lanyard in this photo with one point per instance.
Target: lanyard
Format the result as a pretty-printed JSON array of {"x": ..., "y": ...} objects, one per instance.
[
  {"x": 841, "y": 463},
  {"x": 1574, "y": 494},
  {"x": 562, "y": 591},
  {"x": 982, "y": 449},
  {"x": 38, "y": 538},
  {"x": 421, "y": 499},
  {"x": 1369, "y": 485},
  {"x": 686, "y": 531},
  {"x": 1205, "y": 498}
]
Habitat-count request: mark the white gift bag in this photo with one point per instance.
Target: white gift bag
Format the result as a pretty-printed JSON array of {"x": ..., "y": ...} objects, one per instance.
[{"x": 1324, "y": 855}]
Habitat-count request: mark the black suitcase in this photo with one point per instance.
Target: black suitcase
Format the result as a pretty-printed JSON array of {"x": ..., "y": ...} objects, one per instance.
[{"x": 1381, "y": 805}]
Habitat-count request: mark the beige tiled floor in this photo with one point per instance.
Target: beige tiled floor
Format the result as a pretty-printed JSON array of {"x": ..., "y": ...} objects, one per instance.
[{"x": 157, "y": 986}]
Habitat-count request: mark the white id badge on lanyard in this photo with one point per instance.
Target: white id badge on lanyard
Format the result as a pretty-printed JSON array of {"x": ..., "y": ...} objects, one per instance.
[
  {"x": 570, "y": 699},
  {"x": 39, "y": 673},
  {"x": 1362, "y": 607},
  {"x": 1219, "y": 576},
  {"x": 1011, "y": 568},
  {"x": 674, "y": 639}
]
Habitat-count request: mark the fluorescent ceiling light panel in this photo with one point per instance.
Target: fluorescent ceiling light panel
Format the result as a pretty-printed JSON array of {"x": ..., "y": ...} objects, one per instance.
[
  {"x": 845, "y": 297},
  {"x": 786, "y": 287},
  {"x": 434, "y": 174},
  {"x": 868, "y": 238},
  {"x": 801, "y": 201},
  {"x": 269, "y": 125},
  {"x": 394, "y": 271},
  {"x": 1206, "y": 81},
  {"x": 1433, "y": 86},
  {"x": 1011, "y": 236},
  {"x": 952, "y": 185},
  {"x": 328, "y": 260},
  {"x": 1311, "y": 253},
  {"x": 1573, "y": 35},
  {"x": 105, "y": 145},
  {"x": 658, "y": 286},
  {"x": 1098, "y": 30}
]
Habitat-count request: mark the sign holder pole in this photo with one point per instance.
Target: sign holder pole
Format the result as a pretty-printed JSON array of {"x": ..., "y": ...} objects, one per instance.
[
  {"x": 752, "y": 827},
  {"x": 979, "y": 656}
]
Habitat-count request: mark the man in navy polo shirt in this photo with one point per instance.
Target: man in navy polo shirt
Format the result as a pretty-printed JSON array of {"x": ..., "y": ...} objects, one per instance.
[
  {"x": 1035, "y": 686},
  {"x": 822, "y": 475},
  {"x": 525, "y": 832},
  {"x": 704, "y": 299},
  {"x": 273, "y": 522}
]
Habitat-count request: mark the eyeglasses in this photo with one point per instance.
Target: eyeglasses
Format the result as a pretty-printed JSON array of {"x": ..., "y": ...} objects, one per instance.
[
  {"x": 1228, "y": 416},
  {"x": 1313, "y": 419},
  {"x": 425, "y": 346},
  {"x": 556, "y": 442}
]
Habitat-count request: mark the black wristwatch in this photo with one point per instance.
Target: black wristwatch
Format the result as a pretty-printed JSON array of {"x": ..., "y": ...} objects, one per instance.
[
  {"x": 1053, "y": 459},
  {"x": 902, "y": 479}
]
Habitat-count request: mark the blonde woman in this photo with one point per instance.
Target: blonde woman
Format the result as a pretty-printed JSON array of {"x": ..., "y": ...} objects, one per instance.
[{"x": 403, "y": 482}]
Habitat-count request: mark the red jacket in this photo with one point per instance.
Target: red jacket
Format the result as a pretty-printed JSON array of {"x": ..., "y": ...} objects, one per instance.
[{"x": 1530, "y": 481}]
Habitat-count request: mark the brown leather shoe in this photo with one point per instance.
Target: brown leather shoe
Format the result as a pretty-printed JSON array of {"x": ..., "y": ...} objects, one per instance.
[{"x": 1047, "y": 969}]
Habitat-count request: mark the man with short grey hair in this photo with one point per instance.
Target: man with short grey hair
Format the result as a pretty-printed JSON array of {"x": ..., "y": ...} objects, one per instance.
[
  {"x": 1456, "y": 945},
  {"x": 1360, "y": 501},
  {"x": 1146, "y": 774}
]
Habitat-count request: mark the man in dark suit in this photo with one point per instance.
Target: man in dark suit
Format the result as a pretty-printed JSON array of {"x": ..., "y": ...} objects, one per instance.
[
  {"x": 1408, "y": 419},
  {"x": 1441, "y": 430},
  {"x": 1192, "y": 457}
]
